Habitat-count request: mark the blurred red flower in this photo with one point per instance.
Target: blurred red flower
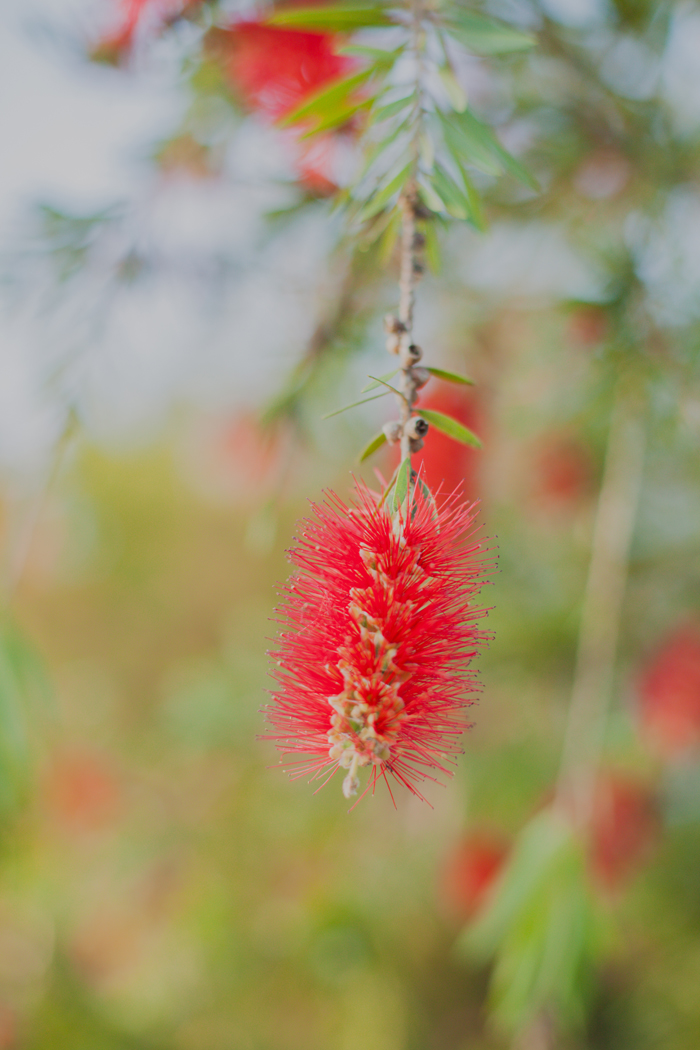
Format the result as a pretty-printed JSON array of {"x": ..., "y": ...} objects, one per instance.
[
  {"x": 470, "y": 871},
  {"x": 669, "y": 693},
  {"x": 443, "y": 462},
  {"x": 588, "y": 325},
  {"x": 273, "y": 70},
  {"x": 116, "y": 44},
  {"x": 624, "y": 827},
  {"x": 379, "y": 626},
  {"x": 563, "y": 471},
  {"x": 81, "y": 791}
]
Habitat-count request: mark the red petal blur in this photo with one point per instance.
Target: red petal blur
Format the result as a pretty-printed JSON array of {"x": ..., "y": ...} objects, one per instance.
[
  {"x": 81, "y": 791},
  {"x": 624, "y": 828},
  {"x": 563, "y": 472},
  {"x": 670, "y": 693},
  {"x": 273, "y": 70},
  {"x": 469, "y": 873}
]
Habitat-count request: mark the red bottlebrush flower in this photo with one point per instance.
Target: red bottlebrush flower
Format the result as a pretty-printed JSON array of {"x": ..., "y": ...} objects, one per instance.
[
  {"x": 443, "y": 463},
  {"x": 470, "y": 872},
  {"x": 624, "y": 827},
  {"x": 381, "y": 625},
  {"x": 670, "y": 693}
]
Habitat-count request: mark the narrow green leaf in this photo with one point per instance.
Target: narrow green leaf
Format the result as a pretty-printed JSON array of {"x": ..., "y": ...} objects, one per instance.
[
  {"x": 400, "y": 491},
  {"x": 382, "y": 382},
  {"x": 478, "y": 143},
  {"x": 320, "y": 102},
  {"x": 377, "y": 202},
  {"x": 430, "y": 197},
  {"x": 389, "y": 238},
  {"x": 354, "y": 404},
  {"x": 376, "y": 382},
  {"x": 379, "y": 58},
  {"x": 333, "y": 18},
  {"x": 390, "y": 109},
  {"x": 376, "y": 443},
  {"x": 455, "y": 91},
  {"x": 466, "y": 147},
  {"x": 456, "y": 200},
  {"x": 337, "y": 116},
  {"x": 376, "y": 151},
  {"x": 432, "y": 248},
  {"x": 483, "y": 36},
  {"x": 448, "y": 425},
  {"x": 450, "y": 377}
]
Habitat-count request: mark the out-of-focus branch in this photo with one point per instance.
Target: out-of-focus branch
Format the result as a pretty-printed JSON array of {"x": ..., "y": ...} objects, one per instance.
[{"x": 602, "y": 605}]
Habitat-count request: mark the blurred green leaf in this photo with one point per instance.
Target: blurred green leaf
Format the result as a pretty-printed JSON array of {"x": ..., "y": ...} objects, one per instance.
[
  {"x": 24, "y": 690},
  {"x": 484, "y": 36},
  {"x": 449, "y": 426},
  {"x": 474, "y": 143},
  {"x": 333, "y": 19},
  {"x": 455, "y": 91},
  {"x": 378, "y": 201},
  {"x": 541, "y": 927},
  {"x": 456, "y": 200},
  {"x": 391, "y": 109},
  {"x": 327, "y": 100}
]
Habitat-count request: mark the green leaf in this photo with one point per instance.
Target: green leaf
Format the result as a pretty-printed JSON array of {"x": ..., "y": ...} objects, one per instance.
[
  {"x": 482, "y": 36},
  {"x": 391, "y": 109},
  {"x": 430, "y": 197},
  {"x": 376, "y": 151},
  {"x": 450, "y": 377},
  {"x": 455, "y": 91},
  {"x": 376, "y": 443},
  {"x": 379, "y": 58},
  {"x": 381, "y": 198},
  {"x": 541, "y": 926},
  {"x": 448, "y": 425},
  {"x": 456, "y": 200},
  {"x": 337, "y": 116},
  {"x": 354, "y": 404},
  {"x": 379, "y": 380},
  {"x": 476, "y": 144},
  {"x": 399, "y": 493},
  {"x": 321, "y": 102},
  {"x": 389, "y": 237},
  {"x": 432, "y": 248},
  {"x": 334, "y": 18}
]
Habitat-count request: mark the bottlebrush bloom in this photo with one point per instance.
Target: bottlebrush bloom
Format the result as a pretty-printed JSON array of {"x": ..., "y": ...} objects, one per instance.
[
  {"x": 670, "y": 693},
  {"x": 379, "y": 627}
]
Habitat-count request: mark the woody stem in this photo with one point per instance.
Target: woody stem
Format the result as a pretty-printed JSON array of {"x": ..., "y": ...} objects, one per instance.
[{"x": 410, "y": 270}]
